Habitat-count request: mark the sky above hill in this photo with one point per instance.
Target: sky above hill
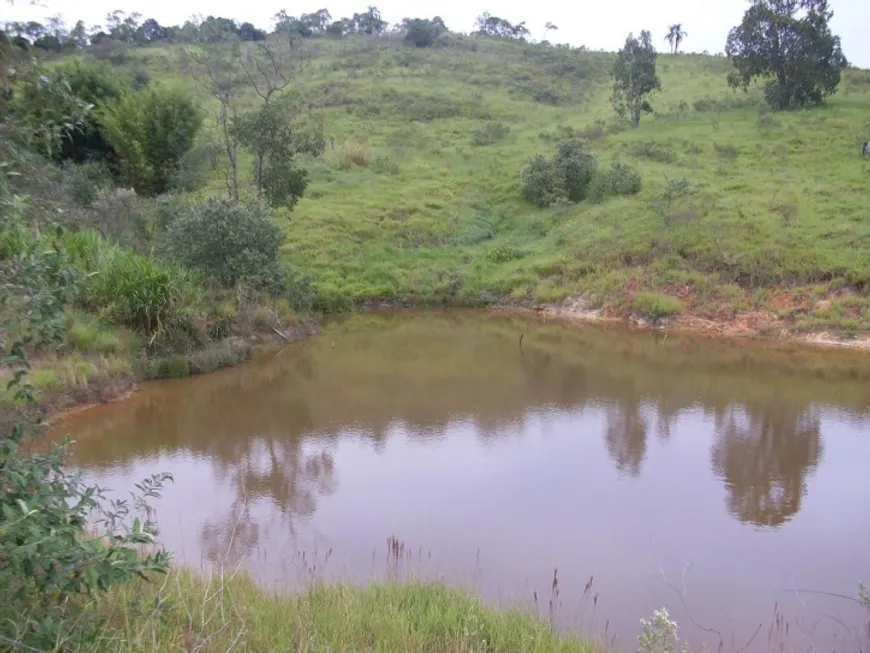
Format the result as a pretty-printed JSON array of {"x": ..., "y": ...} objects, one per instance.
[{"x": 597, "y": 25}]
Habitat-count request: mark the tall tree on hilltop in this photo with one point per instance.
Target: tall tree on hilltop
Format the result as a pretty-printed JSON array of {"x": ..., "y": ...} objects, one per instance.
[
  {"x": 549, "y": 27},
  {"x": 675, "y": 37},
  {"x": 789, "y": 44},
  {"x": 634, "y": 77},
  {"x": 489, "y": 25}
]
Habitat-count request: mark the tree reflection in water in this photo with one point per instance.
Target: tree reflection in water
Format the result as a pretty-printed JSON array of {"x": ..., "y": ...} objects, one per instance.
[
  {"x": 268, "y": 428},
  {"x": 764, "y": 454},
  {"x": 277, "y": 472},
  {"x": 625, "y": 434}
]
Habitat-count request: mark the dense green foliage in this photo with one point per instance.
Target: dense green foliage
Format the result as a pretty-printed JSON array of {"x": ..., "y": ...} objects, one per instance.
[
  {"x": 619, "y": 179},
  {"x": 61, "y": 540},
  {"x": 275, "y": 136},
  {"x": 565, "y": 178},
  {"x": 789, "y": 44},
  {"x": 151, "y": 130},
  {"x": 230, "y": 241},
  {"x": 71, "y": 90},
  {"x": 422, "y": 32}
]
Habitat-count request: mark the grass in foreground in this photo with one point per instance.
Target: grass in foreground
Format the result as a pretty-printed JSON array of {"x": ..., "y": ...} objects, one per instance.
[{"x": 192, "y": 613}]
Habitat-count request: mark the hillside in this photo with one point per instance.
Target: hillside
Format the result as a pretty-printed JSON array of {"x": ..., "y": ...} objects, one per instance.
[{"x": 410, "y": 206}]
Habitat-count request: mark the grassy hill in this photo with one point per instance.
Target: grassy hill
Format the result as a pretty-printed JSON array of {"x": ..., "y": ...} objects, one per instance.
[{"x": 418, "y": 201}]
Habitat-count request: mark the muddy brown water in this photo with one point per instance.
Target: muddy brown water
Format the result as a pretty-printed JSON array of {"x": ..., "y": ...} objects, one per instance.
[{"x": 725, "y": 480}]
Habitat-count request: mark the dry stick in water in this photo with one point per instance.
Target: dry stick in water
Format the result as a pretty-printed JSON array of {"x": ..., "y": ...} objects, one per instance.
[{"x": 692, "y": 619}]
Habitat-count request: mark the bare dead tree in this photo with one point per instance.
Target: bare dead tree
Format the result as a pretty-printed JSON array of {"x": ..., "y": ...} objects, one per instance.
[{"x": 213, "y": 65}]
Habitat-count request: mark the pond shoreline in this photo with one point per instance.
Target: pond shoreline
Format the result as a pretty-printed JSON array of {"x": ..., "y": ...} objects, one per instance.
[
  {"x": 750, "y": 326},
  {"x": 576, "y": 311}
]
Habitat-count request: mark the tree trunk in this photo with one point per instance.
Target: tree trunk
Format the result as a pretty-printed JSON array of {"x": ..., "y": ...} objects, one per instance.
[
  {"x": 259, "y": 173},
  {"x": 230, "y": 147},
  {"x": 234, "y": 172}
]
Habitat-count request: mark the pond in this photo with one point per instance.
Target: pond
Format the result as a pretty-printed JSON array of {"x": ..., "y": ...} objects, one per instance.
[{"x": 591, "y": 474}]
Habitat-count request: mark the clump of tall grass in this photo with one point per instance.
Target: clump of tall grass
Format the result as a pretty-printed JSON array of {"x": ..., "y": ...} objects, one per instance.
[
  {"x": 226, "y": 353},
  {"x": 656, "y": 306},
  {"x": 89, "y": 334},
  {"x": 139, "y": 292},
  {"x": 77, "y": 372},
  {"x": 349, "y": 155},
  {"x": 228, "y": 611},
  {"x": 86, "y": 249}
]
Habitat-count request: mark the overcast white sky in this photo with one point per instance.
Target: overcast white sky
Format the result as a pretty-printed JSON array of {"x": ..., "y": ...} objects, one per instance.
[{"x": 601, "y": 24}]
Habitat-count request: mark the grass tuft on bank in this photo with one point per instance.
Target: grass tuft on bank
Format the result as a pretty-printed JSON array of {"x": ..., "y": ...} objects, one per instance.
[{"x": 197, "y": 613}]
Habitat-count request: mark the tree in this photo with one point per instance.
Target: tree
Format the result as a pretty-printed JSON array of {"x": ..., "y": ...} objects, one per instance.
[
  {"x": 150, "y": 32},
  {"x": 336, "y": 29},
  {"x": 675, "y": 36},
  {"x": 370, "y": 21},
  {"x": 275, "y": 136},
  {"x": 489, "y": 25},
  {"x": 224, "y": 68},
  {"x": 123, "y": 27},
  {"x": 96, "y": 84},
  {"x": 151, "y": 130},
  {"x": 247, "y": 32},
  {"x": 422, "y": 32},
  {"x": 549, "y": 27},
  {"x": 634, "y": 77},
  {"x": 789, "y": 44},
  {"x": 318, "y": 21},
  {"x": 213, "y": 66},
  {"x": 78, "y": 36}
]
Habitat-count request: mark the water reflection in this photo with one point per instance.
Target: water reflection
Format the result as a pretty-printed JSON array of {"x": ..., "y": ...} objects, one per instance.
[
  {"x": 625, "y": 434},
  {"x": 764, "y": 454},
  {"x": 591, "y": 449},
  {"x": 427, "y": 373}
]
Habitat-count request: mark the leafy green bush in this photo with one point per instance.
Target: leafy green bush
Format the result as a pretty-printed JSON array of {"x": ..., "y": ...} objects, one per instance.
[
  {"x": 542, "y": 184},
  {"x": 151, "y": 130},
  {"x": 564, "y": 178},
  {"x": 576, "y": 166},
  {"x": 620, "y": 179},
  {"x": 45, "y": 99},
  {"x": 84, "y": 182},
  {"x": 60, "y": 539},
  {"x": 502, "y": 254},
  {"x": 283, "y": 183},
  {"x": 229, "y": 241}
]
